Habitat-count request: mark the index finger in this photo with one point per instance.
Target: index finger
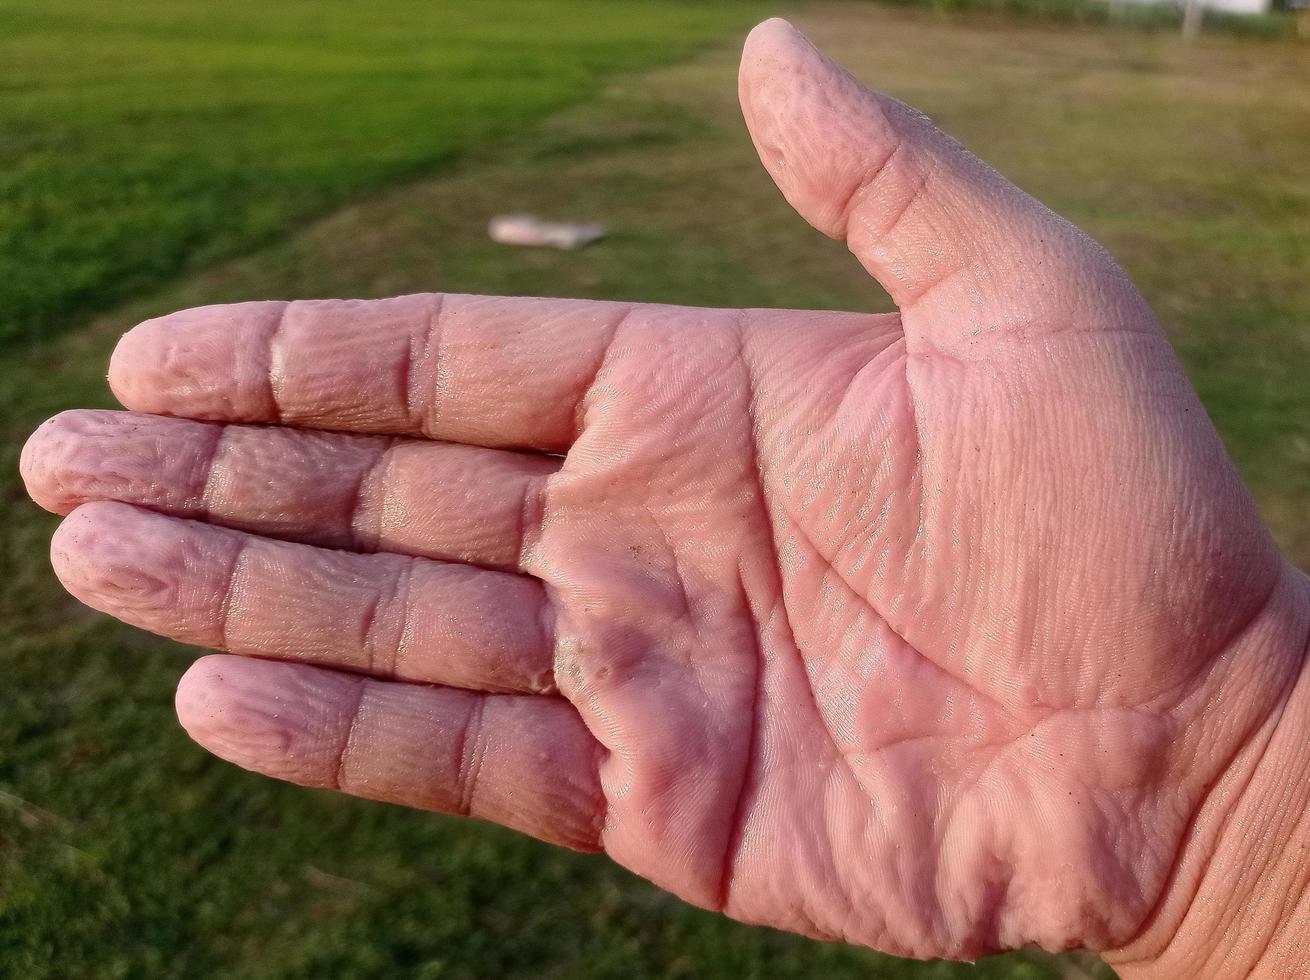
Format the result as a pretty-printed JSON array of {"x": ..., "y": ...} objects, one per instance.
[{"x": 484, "y": 370}]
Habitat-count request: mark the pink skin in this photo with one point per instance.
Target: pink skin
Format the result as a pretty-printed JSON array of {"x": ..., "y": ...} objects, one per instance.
[{"x": 931, "y": 631}]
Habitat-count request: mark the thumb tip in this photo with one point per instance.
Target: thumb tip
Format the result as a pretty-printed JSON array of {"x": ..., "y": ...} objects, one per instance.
[
  {"x": 773, "y": 26},
  {"x": 770, "y": 39},
  {"x": 815, "y": 127},
  {"x": 773, "y": 50}
]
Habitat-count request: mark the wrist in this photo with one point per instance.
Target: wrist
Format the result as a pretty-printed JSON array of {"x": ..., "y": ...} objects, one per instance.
[{"x": 1238, "y": 903}]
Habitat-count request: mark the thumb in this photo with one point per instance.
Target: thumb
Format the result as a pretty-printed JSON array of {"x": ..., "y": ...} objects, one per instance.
[{"x": 962, "y": 251}]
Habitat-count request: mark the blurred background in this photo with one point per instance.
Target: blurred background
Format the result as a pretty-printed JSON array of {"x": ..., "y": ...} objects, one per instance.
[{"x": 166, "y": 153}]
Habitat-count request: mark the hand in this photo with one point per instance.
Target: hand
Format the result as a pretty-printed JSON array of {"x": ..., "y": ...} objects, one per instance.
[{"x": 931, "y": 631}]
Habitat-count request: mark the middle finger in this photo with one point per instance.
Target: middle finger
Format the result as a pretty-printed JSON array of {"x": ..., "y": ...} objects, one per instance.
[{"x": 361, "y": 493}]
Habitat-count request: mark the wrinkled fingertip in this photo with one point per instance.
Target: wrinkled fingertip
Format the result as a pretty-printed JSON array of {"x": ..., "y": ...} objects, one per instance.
[
  {"x": 776, "y": 47},
  {"x": 54, "y": 460},
  {"x": 207, "y": 362},
  {"x": 214, "y": 709},
  {"x": 241, "y": 711},
  {"x": 135, "y": 365},
  {"x": 774, "y": 34},
  {"x": 38, "y": 466},
  {"x": 85, "y": 540},
  {"x": 202, "y": 700},
  {"x": 815, "y": 127}
]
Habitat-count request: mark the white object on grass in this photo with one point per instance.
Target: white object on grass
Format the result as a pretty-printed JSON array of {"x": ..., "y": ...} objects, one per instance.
[{"x": 524, "y": 229}]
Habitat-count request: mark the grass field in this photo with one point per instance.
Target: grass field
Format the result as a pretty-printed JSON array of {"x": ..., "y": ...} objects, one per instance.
[
  {"x": 144, "y": 139},
  {"x": 125, "y": 852}
]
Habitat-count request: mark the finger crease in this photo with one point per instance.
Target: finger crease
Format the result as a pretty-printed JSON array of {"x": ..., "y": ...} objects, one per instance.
[
  {"x": 532, "y": 514},
  {"x": 911, "y": 199},
  {"x": 861, "y": 186},
  {"x": 368, "y": 539},
  {"x": 230, "y": 592},
  {"x": 472, "y": 748},
  {"x": 399, "y": 599},
  {"x": 548, "y": 623},
  {"x": 276, "y": 368},
  {"x": 203, "y": 505},
  {"x": 422, "y": 413},
  {"x": 602, "y": 810},
  {"x": 343, "y": 750},
  {"x": 599, "y": 369}
]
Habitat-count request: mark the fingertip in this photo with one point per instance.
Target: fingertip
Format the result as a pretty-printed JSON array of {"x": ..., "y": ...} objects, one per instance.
[
  {"x": 41, "y": 461},
  {"x": 219, "y": 705},
  {"x": 84, "y": 539},
  {"x": 90, "y": 557},
  {"x": 771, "y": 33},
  {"x": 282, "y": 720},
  {"x": 199, "y": 691},
  {"x": 73, "y": 458},
  {"x": 137, "y": 364},
  {"x": 775, "y": 48},
  {"x": 209, "y": 698},
  {"x": 207, "y": 362},
  {"x": 818, "y": 131},
  {"x": 143, "y": 568}
]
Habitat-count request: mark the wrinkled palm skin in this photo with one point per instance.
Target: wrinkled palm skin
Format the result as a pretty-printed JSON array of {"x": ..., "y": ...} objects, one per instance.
[
  {"x": 929, "y": 631},
  {"x": 907, "y": 649}
]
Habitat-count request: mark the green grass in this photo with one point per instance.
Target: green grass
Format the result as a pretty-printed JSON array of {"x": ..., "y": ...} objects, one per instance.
[
  {"x": 126, "y": 852},
  {"x": 1139, "y": 16},
  {"x": 138, "y": 140}
]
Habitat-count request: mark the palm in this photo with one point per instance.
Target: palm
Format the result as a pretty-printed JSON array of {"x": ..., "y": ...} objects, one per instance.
[
  {"x": 846, "y": 643},
  {"x": 896, "y": 629}
]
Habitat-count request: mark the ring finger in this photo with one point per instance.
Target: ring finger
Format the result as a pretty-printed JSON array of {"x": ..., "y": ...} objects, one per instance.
[{"x": 384, "y": 614}]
